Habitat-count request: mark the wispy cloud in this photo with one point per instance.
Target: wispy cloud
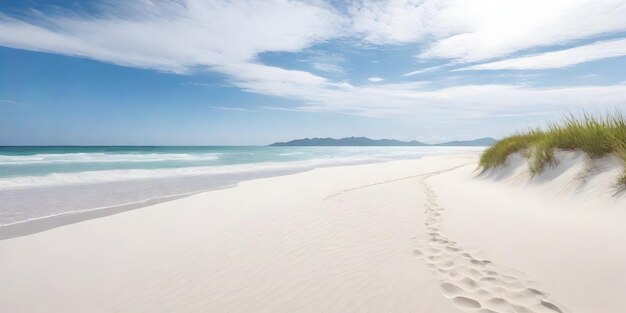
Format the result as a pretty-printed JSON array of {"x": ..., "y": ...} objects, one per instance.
[
  {"x": 327, "y": 67},
  {"x": 425, "y": 70},
  {"x": 393, "y": 22},
  {"x": 10, "y": 102},
  {"x": 326, "y": 62},
  {"x": 375, "y": 79},
  {"x": 228, "y": 37},
  {"x": 277, "y": 108},
  {"x": 558, "y": 59},
  {"x": 589, "y": 76},
  {"x": 227, "y": 108},
  {"x": 176, "y": 36},
  {"x": 179, "y": 36},
  {"x": 415, "y": 101},
  {"x": 469, "y": 31},
  {"x": 207, "y": 85}
]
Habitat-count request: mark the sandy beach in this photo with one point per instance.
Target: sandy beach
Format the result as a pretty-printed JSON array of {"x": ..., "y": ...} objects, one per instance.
[
  {"x": 298, "y": 156},
  {"x": 427, "y": 235}
]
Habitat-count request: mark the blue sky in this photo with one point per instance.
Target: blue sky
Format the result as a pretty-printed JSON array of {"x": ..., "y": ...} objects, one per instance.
[{"x": 254, "y": 72}]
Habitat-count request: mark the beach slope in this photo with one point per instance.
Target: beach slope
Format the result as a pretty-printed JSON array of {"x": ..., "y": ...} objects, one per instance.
[{"x": 426, "y": 235}]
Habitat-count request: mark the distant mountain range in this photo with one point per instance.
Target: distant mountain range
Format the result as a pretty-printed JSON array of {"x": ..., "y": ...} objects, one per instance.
[{"x": 364, "y": 141}]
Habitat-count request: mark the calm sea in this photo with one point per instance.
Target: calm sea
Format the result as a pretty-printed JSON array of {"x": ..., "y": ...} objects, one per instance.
[{"x": 39, "y": 182}]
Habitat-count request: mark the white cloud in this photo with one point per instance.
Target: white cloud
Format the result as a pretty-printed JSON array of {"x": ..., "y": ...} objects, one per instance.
[
  {"x": 327, "y": 67},
  {"x": 395, "y": 21},
  {"x": 498, "y": 28},
  {"x": 228, "y": 36},
  {"x": 424, "y": 70},
  {"x": 416, "y": 101},
  {"x": 232, "y": 109},
  {"x": 177, "y": 37},
  {"x": 468, "y": 31},
  {"x": 559, "y": 59},
  {"x": 375, "y": 79},
  {"x": 326, "y": 62}
]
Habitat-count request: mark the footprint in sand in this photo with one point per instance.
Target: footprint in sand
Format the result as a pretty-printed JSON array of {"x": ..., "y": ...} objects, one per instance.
[
  {"x": 475, "y": 284},
  {"x": 467, "y": 303},
  {"x": 452, "y": 290}
]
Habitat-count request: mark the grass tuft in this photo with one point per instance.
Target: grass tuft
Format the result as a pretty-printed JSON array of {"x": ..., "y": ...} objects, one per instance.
[
  {"x": 497, "y": 154},
  {"x": 597, "y": 137}
]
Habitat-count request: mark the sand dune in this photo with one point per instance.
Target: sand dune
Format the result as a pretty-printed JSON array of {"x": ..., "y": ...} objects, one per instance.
[
  {"x": 405, "y": 236},
  {"x": 562, "y": 232},
  {"x": 472, "y": 282}
]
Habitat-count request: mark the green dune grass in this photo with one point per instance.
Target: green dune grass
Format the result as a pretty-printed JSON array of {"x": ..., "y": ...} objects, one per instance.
[{"x": 597, "y": 137}]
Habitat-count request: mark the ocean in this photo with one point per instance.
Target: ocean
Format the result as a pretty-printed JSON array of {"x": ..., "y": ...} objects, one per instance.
[{"x": 43, "y": 182}]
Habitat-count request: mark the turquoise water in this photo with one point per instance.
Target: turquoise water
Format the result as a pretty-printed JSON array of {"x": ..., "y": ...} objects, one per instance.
[
  {"x": 39, "y": 182},
  {"x": 20, "y": 161},
  {"x": 41, "y": 166}
]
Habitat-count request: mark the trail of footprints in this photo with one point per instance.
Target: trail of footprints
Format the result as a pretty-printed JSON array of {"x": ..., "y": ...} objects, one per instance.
[{"x": 472, "y": 283}]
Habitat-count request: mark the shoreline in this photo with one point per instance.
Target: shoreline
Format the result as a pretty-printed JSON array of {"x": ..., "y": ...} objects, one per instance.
[
  {"x": 39, "y": 224},
  {"x": 26, "y": 210},
  {"x": 33, "y": 226}
]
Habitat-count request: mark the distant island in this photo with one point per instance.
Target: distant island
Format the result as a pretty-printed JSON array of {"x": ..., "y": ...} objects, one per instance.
[{"x": 364, "y": 141}]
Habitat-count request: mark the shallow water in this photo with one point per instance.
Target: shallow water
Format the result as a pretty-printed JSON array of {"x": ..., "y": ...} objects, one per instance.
[{"x": 39, "y": 182}]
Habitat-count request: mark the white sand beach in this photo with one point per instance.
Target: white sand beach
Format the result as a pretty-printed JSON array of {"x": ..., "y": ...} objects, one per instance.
[{"x": 427, "y": 235}]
